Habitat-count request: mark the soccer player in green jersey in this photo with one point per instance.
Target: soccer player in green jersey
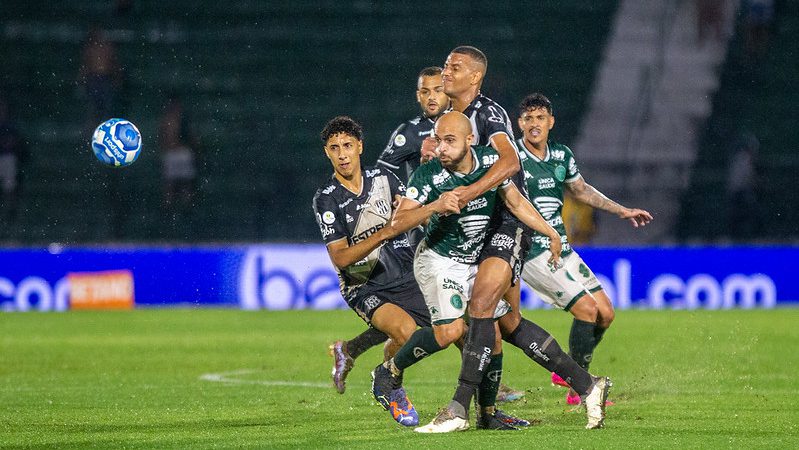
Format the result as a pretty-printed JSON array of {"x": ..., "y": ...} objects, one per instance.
[{"x": 549, "y": 169}]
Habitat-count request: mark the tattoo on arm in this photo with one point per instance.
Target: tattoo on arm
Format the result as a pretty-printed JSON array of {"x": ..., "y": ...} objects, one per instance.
[{"x": 591, "y": 196}]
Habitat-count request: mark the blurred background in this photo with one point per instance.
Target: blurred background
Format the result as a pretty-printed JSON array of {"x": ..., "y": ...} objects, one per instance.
[{"x": 682, "y": 107}]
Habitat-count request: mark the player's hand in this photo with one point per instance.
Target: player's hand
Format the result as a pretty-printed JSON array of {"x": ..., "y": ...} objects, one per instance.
[
  {"x": 429, "y": 149},
  {"x": 555, "y": 247},
  {"x": 447, "y": 204},
  {"x": 638, "y": 217},
  {"x": 463, "y": 195},
  {"x": 396, "y": 202}
]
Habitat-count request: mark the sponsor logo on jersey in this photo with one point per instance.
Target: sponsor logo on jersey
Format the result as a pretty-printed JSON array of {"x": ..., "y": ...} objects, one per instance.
[
  {"x": 441, "y": 177},
  {"x": 558, "y": 155},
  {"x": 547, "y": 206},
  {"x": 480, "y": 202},
  {"x": 426, "y": 133},
  {"x": 326, "y": 230},
  {"x": 502, "y": 241},
  {"x": 382, "y": 206},
  {"x": 343, "y": 205},
  {"x": 412, "y": 192},
  {"x": 426, "y": 189},
  {"x": 416, "y": 121},
  {"x": 328, "y": 217},
  {"x": 489, "y": 160},
  {"x": 400, "y": 243},
  {"x": 372, "y": 173},
  {"x": 399, "y": 140},
  {"x": 365, "y": 234},
  {"x": 349, "y": 218},
  {"x": 572, "y": 167},
  {"x": 362, "y": 206},
  {"x": 546, "y": 183},
  {"x": 329, "y": 189}
]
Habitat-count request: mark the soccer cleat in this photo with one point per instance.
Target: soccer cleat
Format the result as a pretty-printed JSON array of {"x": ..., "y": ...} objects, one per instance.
[
  {"x": 342, "y": 364},
  {"x": 383, "y": 384},
  {"x": 492, "y": 422},
  {"x": 510, "y": 420},
  {"x": 595, "y": 402},
  {"x": 572, "y": 398},
  {"x": 402, "y": 409},
  {"x": 558, "y": 381},
  {"x": 507, "y": 394},
  {"x": 445, "y": 422}
]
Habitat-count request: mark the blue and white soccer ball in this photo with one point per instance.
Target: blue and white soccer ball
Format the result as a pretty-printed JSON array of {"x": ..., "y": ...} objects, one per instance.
[{"x": 117, "y": 142}]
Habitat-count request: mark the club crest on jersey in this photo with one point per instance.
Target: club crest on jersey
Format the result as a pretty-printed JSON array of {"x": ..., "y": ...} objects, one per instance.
[
  {"x": 547, "y": 206},
  {"x": 560, "y": 173},
  {"x": 382, "y": 207},
  {"x": 399, "y": 140},
  {"x": 328, "y": 217}
]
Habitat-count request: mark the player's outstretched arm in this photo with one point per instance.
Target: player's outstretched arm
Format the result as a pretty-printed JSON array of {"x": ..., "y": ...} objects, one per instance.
[
  {"x": 411, "y": 214},
  {"x": 589, "y": 195},
  {"x": 504, "y": 168},
  {"x": 520, "y": 207},
  {"x": 343, "y": 255}
]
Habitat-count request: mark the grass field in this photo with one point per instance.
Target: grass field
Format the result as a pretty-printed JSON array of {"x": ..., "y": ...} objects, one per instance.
[{"x": 134, "y": 379}]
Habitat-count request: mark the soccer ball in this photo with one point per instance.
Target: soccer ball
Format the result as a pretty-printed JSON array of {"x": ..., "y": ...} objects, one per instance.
[{"x": 116, "y": 142}]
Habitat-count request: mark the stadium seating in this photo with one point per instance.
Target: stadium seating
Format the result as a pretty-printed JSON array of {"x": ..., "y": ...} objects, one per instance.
[
  {"x": 756, "y": 97},
  {"x": 259, "y": 80}
]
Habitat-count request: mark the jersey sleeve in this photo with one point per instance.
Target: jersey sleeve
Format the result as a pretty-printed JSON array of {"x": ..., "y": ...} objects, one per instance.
[
  {"x": 395, "y": 184},
  {"x": 572, "y": 172},
  {"x": 492, "y": 120},
  {"x": 420, "y": 185},
  {"x": 328, "y": 217},
  {"x": 399, "y": 149}
]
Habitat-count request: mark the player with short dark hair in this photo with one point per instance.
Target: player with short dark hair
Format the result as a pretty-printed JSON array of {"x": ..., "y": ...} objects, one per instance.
[
  {"x": 373, "y": 259},
  {"x": 404, "y": 146},
  {"x": 550, "y": 168}
]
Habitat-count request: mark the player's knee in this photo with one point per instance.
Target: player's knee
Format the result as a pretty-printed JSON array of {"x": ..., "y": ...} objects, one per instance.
[
  {"x": 449, "y": 333},
  {"x": 606, "y": 317},
  {"x": 585, "y": 309}
]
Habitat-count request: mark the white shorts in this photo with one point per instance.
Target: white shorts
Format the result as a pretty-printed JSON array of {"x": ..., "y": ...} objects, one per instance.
[
  {"x": 446, "y": 285},
  {"x": 564, "y": 286}
]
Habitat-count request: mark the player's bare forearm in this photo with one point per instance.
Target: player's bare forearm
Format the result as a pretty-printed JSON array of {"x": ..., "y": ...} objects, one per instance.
[
  {"x": 526, "y": 212},
  {"x": 505, "y": 167},
  {"x": 411, "y": 214},
  {"x": 343, "y": 255},
  {"x": 591, "y": 196}
]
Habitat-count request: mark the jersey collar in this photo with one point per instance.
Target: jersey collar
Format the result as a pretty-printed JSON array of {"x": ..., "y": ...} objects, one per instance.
[{"x": 531, "y": 155}]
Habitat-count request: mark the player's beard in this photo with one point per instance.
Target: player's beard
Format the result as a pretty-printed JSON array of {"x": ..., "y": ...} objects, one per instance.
[{"x": 452, "y": 164}]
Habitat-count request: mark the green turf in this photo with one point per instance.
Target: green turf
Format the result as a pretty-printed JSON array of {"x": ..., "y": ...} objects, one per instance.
[{"x": 133, "y": 379}]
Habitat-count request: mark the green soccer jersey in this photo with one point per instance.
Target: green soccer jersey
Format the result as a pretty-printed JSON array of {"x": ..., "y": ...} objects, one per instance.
[
  {"x": 545, "y": 179},
  {"x": 456, "y": 236}
]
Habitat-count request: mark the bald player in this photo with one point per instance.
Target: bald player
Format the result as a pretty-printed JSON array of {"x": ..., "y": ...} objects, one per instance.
[{"x": 445, "y": 262}]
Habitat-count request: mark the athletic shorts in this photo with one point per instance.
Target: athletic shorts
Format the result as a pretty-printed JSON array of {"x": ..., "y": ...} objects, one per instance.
[
  {"x": 510, "y": 243},
  {"x": 365, "y": 301},
  {"x": 447, "y": 285},
  {"x": 564, "y": 286}
]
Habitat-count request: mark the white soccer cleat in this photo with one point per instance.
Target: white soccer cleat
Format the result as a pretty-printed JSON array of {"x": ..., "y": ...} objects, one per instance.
[
  {"x": 445, "y": 422},
  {"x": 595, "y": 403}
]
